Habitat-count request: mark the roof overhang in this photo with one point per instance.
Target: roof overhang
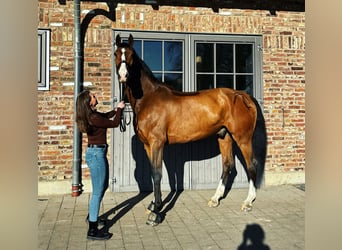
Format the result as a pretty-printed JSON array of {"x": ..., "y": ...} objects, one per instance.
[{"x": 270, "y": 5}]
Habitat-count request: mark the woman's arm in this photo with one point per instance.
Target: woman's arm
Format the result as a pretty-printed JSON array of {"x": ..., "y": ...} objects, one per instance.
[
  {"x": 101, "y": 120},
  {"x": 110, "y": 114}
]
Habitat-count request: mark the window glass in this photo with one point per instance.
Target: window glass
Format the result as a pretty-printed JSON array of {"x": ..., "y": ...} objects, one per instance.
[
  {"x": 224, "y": 58},
  {"x": 174, "y": 80},
  {"x": 205, "y": 81},
  {"x": 153, "y": 55},
  {"x": 244, "y": 58},
  {"x": 225, "y": 81},
  {"x": 205, "y": 57},
  {"x": 138, "y": 47},
  {"x": 155, "y": 52},
  {"x": 173, "y": 56},
  {"x": 233, "y": 66},
  {"x": 159, "y": 76},
  {"x": 40, "y": 59},
  {"x": 245, "y": 82}
]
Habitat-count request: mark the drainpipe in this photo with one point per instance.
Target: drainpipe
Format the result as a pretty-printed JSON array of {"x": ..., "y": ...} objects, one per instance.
[{"x": 77, "y": 142}]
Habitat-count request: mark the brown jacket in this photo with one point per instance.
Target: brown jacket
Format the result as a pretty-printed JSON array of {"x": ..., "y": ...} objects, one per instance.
[{"x": 100, "y": 122}]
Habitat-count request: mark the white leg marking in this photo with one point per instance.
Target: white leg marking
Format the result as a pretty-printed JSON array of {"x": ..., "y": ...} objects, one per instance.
[
  {"x": 214, "y": 201},
  {"x": 247, "y": 204},
  {"x": 220, "y": 190}
]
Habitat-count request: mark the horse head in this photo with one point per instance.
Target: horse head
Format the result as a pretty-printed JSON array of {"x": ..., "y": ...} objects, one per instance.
[
  {"x": 128, "y": 66},
  {"x": 123, "y": 57}
]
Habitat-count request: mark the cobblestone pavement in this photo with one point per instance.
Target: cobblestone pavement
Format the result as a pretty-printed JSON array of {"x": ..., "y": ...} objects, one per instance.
[{"x": 276, "y": 221}]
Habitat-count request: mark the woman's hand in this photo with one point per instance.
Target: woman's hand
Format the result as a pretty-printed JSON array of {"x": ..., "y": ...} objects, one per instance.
[{"x": 121, "y": 105}]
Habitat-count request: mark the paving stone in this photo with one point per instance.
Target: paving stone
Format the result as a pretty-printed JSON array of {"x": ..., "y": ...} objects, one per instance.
[{"x": 279, "y": 212}]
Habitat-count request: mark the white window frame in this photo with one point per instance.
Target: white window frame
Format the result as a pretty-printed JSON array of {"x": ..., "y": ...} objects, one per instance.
[{"x": 44, "y": 59}]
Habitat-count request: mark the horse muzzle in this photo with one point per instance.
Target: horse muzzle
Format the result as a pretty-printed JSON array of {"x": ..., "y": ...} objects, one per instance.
[
  {"x": 123, "y": 72},
  {"x": 123, "y": 79}
]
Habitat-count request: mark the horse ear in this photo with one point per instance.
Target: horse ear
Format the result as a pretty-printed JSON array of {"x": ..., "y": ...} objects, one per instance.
[
  {"x": 130, "y": 41},
  {"x": 118, "y": 40}
]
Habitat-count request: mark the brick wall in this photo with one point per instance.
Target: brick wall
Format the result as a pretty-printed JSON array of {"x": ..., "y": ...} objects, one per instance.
[{"x": 283, "y": 73}]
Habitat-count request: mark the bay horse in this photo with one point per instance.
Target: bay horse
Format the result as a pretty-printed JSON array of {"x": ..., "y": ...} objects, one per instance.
[{"x": 165, "y": 116}]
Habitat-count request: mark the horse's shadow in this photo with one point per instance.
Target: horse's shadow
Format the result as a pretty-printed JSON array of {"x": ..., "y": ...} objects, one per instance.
[
  {"x": 122, "y": 209},
  {"x": 175, "y": 156}
]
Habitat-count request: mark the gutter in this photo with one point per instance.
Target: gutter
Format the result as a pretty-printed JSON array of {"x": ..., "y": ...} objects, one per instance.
[{"x": 77, "y": 142}]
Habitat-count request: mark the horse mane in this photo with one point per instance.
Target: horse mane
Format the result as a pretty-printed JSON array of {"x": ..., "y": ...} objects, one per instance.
[
  {"x": 180, "y": 93},
  {"x": 150, "y": 74},
  {"x": 145, "y": 68}
]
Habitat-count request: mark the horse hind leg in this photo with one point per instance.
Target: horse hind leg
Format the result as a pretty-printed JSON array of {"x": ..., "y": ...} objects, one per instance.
[
  {"x": 248, "y": 202},
  {"x": 251, "y": 173},
  {"x": 228, "y": 162}
]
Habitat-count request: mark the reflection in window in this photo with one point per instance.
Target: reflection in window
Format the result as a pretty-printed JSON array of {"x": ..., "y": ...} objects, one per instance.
[
  {"x": 165, "y": 60},
  {"x": 205, "y": 57},
  {"x": 173, "y": 56},
  {"x": 224, "y": 58},
  {"x": 153, "y": 55}
]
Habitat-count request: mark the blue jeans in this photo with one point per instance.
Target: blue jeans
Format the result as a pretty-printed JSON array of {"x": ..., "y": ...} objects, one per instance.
[{"x": 96, "y": 159}]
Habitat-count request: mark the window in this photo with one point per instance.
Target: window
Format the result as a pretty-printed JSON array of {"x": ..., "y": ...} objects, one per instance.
[
  {"x": 224, "y": 65},
  {"x": 43, "y": 59},
  {"x": 164, "y": 57},
  {"x": 227, "y": 60},
  {"x": 192, "y": 61}
]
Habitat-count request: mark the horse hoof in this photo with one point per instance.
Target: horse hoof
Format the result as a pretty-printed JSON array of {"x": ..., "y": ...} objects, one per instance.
[
  {"x": 151, "y": 207},
  {"x": 246, "y": 207},
  {"x": 213, "y": 203},
  {"x": 153, "y": 219}
]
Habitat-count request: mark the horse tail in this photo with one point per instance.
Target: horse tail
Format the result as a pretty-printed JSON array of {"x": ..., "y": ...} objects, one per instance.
[{"x": 259, "y": 144}]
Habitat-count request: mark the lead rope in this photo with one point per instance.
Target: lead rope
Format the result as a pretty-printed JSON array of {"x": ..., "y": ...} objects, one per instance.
[
  {"x": 123, "y": 118},
  {"x": 123, "y": 121}
]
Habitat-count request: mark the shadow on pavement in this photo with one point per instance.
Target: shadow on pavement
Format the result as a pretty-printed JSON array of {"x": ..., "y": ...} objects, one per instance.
[{"x": 253, "y": 237}]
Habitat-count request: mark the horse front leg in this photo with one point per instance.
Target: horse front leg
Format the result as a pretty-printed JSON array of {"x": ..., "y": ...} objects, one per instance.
[{"x": 156, "y": 159}]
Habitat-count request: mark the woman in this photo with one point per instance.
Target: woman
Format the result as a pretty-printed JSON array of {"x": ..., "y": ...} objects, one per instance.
[{"x": 95, "y": 124}]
